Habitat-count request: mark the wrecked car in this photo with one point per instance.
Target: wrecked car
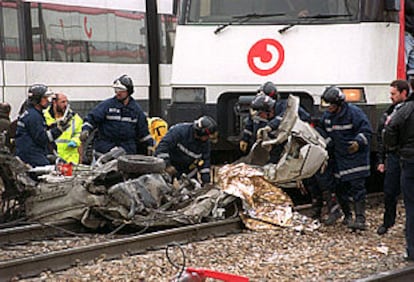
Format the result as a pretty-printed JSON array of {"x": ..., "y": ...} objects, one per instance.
[{"x": 131, "y": 189}]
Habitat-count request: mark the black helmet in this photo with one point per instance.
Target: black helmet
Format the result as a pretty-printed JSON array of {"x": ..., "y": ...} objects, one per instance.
[
  {"x": 333, "y": 95},
  {"x": 263, "y": 103},
  {"x": 269, "y": 89},
  {"x": 124, "y": 82},
  {"x": 205, "y": 126},
  {"x": 37, "y": 92}
]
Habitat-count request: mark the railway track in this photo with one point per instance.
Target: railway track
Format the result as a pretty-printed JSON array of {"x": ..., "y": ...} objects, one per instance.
[
  {"x": 114, "y": 248},
  {"x": 37, "y": 231},
  {"x": 401, "y": 275},
  {"x": 59, "y": 260}
]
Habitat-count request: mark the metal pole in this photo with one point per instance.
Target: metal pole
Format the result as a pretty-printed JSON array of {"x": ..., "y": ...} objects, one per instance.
[{"x": 153, "y": 38}]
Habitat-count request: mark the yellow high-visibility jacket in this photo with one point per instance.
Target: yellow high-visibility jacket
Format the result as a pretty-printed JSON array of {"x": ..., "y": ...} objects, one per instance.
[
  {"x": 157, "y": 127},
  {"x": 69, "y": 154}
]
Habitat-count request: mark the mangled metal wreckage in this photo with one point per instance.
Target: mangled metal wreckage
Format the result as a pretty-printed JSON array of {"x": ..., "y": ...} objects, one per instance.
[{"x": 133, "y": 190}]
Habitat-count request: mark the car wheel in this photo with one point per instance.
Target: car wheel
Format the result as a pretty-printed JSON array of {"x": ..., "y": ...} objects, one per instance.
[{"x": 140, "y": 164}]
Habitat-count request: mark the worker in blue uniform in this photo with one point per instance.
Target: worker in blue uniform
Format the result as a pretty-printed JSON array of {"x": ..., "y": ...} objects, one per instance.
[
  {"x": 186, "y": 148},
  {"x": 120, "y": 121},
  {"x": 268, "y": 113},
  {"x": 349, "y": 129},
  {"x": 249, "y": 133},
  {"x": 33, "y": 137}
]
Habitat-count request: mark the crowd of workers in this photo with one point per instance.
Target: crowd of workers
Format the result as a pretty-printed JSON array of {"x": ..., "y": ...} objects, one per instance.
[
  {"x": 44, "y": 128},
  {"x": 347, "y": 132},
  {"x": 48, "y": 131}
]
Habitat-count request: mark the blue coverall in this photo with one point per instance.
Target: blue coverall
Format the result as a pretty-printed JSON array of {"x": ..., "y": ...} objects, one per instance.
[
  {"x": 352, "y": 169},
  {"x": 118, "y": 125},
  {"x": 33, "y": 138},
  {"x": 187, "y": 154}
]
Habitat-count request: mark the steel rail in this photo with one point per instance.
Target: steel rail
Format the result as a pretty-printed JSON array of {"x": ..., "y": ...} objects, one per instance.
[
  {"x": 60, "y": 260},
  {"x": 405, "y": 274},
  {"x": 35, "y": 231}
]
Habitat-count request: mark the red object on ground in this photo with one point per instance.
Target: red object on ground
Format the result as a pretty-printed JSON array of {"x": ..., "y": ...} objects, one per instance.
[{"x": 207, "y": 273}]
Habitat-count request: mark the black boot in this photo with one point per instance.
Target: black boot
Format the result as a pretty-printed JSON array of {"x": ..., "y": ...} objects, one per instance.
[
  {"x": 334, "y": 212},
  {"x": 347, "y": 212},
  {"x": 359, "y": 223},
  {"x": 389, "y": 215}
]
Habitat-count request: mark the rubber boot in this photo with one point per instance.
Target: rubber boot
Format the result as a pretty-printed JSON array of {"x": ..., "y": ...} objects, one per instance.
[
  {"x": 359, "y": 223},
  {"x": 334, "y": 212},
  {"x": 347, "y": 212}
]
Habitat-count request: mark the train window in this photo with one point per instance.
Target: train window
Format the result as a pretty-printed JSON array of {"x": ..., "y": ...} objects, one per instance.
[
  {"x": 9, "y": 37},
  {"x": 167, "y": 37},
  {"x": 80, "y": 34},
  {"x": 270, "y": 11}
]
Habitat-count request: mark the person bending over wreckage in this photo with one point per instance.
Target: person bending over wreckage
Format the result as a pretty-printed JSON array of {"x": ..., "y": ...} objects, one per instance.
[
  {"x": 132, "y": 190},
  {"x": 186, "y": 148}
]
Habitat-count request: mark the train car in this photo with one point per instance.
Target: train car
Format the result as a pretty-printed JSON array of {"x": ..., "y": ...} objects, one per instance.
[
  {"x": 80, "y": 47},
  {"x": 225, "y": 49}
]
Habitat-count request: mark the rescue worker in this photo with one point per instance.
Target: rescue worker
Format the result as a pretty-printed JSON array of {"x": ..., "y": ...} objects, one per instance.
[
  {"x": 348, "y": 128},
  {"x": 33, "y": 136},
  {"x": 5, "y": 110},
  {"x": 186, "y": 148},
  {"x": 269, "y": 115},
  {"x": 269, "y": 89},
  {"x": 399, "y": 134},
  {"x": 120, "y": 121},
  {"x": 389, "y": 161},
  {"x": 68, "y": 143}
]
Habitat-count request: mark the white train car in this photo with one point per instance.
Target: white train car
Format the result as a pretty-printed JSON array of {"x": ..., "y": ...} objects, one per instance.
[
  {"x": 225, "y": 49},
  {"x": 80, "y": 47}
]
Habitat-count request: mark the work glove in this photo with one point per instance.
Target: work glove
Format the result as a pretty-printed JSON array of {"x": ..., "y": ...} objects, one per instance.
[
  {"x": 353, "y": 147},
  {"x": 84, "y": 135},
  {"x": 72, "y": 144},
  {"x": 171, "y": 170},
  {"x": 243, "y": 146},
  {"x": 262, "y": 132},
  {"x": 197, "y": 163}
]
